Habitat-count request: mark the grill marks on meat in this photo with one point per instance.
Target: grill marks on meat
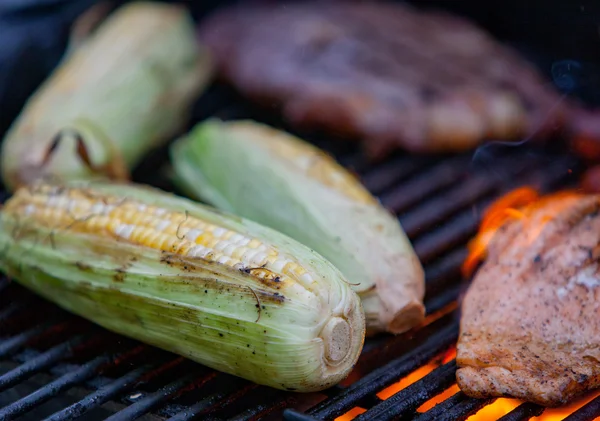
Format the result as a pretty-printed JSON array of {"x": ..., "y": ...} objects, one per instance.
[
  {"x": 395, "y": 76},
  {"x": 530, "y": 324}
]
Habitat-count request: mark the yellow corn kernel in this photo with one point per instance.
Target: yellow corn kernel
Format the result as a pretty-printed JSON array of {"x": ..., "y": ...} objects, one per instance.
[{"x": 149, "y": 226}]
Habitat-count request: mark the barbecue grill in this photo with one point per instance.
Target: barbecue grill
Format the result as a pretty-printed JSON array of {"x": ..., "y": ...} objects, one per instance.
[{"x": 56, "y": 366}]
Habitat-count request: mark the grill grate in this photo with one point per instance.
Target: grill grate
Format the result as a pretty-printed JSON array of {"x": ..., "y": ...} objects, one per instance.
[{"x": 58, "y": 367}]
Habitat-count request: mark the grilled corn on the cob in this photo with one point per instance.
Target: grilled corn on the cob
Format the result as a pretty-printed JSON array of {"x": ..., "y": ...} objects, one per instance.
[
  {"x": 123, "y": 91},
  {"x": 280, "y": 181},
  {"x": 220, "y": 290}
]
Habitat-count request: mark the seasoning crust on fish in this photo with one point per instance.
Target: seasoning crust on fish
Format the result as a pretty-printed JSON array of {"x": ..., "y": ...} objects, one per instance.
[{"x": 530, "y": 324}]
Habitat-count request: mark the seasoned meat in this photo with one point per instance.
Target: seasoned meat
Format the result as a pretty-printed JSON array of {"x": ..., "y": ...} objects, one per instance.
[
  {"x": 530, "y": 324},
  {"x": 387, "y": 73}
]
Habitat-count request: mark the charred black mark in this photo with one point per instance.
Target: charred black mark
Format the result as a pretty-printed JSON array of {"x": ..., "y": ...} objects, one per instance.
[
  {"x": 81, "y": 149},
  {"x": 173, "y": 260},
  {"x": 275, "y": 297},
  {"x": 257, "y": 304},
  {"x": 180, "y": 224},
  {"x": 52, "y": 241},
  {"x": 83, "y": 266},
  {"x": 264, "y": 275},
  {"x": 51, "y": 149},
  {"x": 119, "y": 275},
  {"x": 85, "y": 284}
]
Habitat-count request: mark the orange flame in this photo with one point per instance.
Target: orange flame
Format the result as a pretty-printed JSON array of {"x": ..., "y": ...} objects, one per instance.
[
  {"x": 493, "y": 218},
  {"x": 513, "y": 205}
]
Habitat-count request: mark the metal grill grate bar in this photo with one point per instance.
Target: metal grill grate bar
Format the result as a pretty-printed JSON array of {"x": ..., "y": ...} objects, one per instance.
[
  {"x": 52, "y": 389},
  {"x": 384, "y": 376},
  {"x": 523, "y": 412},
  {"x": 588, "y": 412},
  {"x": 212, "y": 401},
  {"x": 13, "y": 343},
  {"x": 100, "y": 396},
  {"x": 279, "y": 400},
  {"x": 456, "y": 408},
  {"x": 389, "y": 173},
  {"x": 411, "y": 397},
  {"x": 155, "y": 399},
  {"x": 39, "y": 363},
  {"x": 480, "y": 185},
  {"x": 424, "y": 184}
]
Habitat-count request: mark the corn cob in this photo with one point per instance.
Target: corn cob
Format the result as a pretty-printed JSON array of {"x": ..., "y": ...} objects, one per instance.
[
  {"x": 220, "y": 290},
  {"x": 120, "y": 92},
  {"x": 280, "y": 181}
]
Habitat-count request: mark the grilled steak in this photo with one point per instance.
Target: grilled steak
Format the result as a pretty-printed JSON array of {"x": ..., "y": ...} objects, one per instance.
[
  {"x": 530, "y": 324},
  {"x": 387, "y": 73}
]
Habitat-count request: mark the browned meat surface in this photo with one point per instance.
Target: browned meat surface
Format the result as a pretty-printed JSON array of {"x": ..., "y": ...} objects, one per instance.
[
  {"x": 530, "y": 324},
  {"x": 386, "y": 73}
]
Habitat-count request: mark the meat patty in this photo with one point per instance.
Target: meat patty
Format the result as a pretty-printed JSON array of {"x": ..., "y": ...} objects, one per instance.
[
  {"x": 530, "y": 325},
  {"x": 387, "y": 73}
]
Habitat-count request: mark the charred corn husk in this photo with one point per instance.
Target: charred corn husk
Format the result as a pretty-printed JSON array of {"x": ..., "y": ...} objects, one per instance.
[
  {"x": 282, "y": 182},
  {"x": 122, "y": 91},
  {"x": 220, "y": 290}
]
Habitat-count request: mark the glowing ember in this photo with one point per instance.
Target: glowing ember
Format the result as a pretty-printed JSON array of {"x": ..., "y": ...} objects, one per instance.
[
  {"x": 417, "y": 375},
  {"x": 452, "y": 390},
  {"x": 497, "y": 409},
  {"x": 407, "y": 381},
  {"x": 350, "y": 415}
]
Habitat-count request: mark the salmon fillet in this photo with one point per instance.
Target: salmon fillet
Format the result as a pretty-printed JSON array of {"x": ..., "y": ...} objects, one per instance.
[
  {"x": 530, "y": 325},
  {"x": 389, "y": 74}
]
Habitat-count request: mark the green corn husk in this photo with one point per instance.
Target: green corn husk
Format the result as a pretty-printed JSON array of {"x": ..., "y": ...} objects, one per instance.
[
  {"x": 124, "y": 90},
  {"x": 70, "y": 244},
  {"x": 280, "y": 181}
]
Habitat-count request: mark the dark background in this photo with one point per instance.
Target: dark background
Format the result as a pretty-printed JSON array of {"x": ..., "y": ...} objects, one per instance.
[{"x": 561, "y": 37}]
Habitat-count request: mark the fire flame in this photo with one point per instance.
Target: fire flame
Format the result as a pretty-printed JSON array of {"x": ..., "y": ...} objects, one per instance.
[
  {"x": 503, "y": 209},
  {"x": 513, "y": 205}
]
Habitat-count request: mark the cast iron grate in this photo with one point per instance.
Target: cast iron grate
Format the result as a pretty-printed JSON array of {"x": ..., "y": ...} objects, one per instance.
[{"x": 59, "y": 367}]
